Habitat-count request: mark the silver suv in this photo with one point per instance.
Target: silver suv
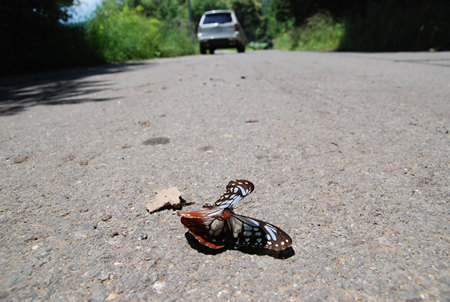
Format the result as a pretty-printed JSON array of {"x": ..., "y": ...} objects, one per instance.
[{"x": 220, "y": 29}]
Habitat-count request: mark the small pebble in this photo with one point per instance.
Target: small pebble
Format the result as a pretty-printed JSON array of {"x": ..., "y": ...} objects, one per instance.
[
  {"x": 104, "y": 276},
  {"x": 106, "y": 217},
  {"x": 144, "y": 236},
  {"x": 112, "y": 296},
  {"x": 159, "y": 286},
  {"x": 156, "y": 141}
]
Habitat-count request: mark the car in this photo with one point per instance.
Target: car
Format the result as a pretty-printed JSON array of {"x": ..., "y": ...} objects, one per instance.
[{"x": 220, "y": 29}]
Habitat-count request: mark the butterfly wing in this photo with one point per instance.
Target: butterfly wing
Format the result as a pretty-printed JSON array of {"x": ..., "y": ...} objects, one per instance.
[
  {"x": 236, "y": 190},
  {"x": 209, "y": 227},
  {"x": 251, "y": 232}
]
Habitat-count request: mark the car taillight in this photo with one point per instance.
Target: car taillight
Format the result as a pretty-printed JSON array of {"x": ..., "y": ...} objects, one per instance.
[
  {"x": 199, "y": 29},
  {"x": 236, "y": 27}
]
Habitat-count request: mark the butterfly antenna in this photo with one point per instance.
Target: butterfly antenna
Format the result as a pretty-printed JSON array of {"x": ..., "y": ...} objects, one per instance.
[{"x": 244, "y": 202}]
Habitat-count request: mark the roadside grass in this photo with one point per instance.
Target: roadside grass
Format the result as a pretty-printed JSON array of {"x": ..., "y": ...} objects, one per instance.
[
  {"x": 320, "y": 32},
  {"x": 176, "y": 41},
  {"x": 386, "y": 26},
  {"x": 121, "y": 35},
  {"x": 260, "y": 45}
]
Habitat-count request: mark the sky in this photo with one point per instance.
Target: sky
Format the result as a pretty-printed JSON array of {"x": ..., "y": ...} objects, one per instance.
[{"x": 82, "y": 12}]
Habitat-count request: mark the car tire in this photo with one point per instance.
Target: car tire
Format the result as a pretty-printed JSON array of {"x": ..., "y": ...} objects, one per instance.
[
  {"x": 202, "y": 50},
  {"x": 241, "y": 48},
  {"x": 211, "y": 51}
]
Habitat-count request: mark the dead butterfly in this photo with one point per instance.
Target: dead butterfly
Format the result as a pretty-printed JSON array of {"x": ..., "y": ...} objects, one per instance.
[{"x": 218, "y": 226}]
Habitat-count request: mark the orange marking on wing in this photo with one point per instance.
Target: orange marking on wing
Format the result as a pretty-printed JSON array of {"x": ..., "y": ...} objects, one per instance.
[
  {"x": 196, "y": 214},
  {"x": 195, "y": 222},
  {"x": 204, "y": 242}
]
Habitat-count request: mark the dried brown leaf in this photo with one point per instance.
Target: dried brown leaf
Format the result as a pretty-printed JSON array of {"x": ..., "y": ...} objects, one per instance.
[{"x": 165, "y": 198}]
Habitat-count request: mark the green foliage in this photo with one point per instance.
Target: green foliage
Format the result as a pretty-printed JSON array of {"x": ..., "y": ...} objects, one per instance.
[
  {"x": 320, "y": 32},
  {"x": 34, "y": 38},
  {"x": 300, "y": 11},
  {"x": 164, "y": 10},
  {"x": 120, "y": 34},
  {"x": 372, "y": 25},
  {"x": 281, "y": 10},
  {"x": 391, "y": 26},
  {"x": 175, "y": 31},
  {"x": 176, "y": 41},
  {"x": 249, "y": 15},
  {"x": 200, "y": 6}
]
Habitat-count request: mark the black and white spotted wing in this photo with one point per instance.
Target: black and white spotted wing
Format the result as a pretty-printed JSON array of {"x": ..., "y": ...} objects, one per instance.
[
  {"x": 236, "y": 190},
  {"x": 217, "y": 228},
  {"x": 251, "y": 232}
]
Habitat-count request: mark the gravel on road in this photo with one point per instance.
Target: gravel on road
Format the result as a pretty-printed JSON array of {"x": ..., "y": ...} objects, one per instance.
[{"x": 349, "y": 154}]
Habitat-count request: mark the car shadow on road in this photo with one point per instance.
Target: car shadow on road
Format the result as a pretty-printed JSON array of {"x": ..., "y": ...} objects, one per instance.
[
  {"x": 195, "y": 244},
  {"x": 19, "y": 93}
]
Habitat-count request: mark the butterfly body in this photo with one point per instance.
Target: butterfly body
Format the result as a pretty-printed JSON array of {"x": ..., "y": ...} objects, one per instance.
[{"x": 218, "y": 226}]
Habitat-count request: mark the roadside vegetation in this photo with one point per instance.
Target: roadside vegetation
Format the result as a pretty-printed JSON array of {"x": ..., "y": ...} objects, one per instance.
[
  {"x": 36, "y": 35},
  {"x": 319, "y": 32}
]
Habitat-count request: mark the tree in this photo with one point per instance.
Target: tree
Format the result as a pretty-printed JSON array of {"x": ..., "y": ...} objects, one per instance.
[
  {"x": 27, "y": 28},
  {"x": 249, "y": 15},
  {"x": 200, "y": 6}
]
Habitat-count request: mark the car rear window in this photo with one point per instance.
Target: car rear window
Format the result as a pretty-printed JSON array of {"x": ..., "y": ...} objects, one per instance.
[{"x": 217, "y": 18}]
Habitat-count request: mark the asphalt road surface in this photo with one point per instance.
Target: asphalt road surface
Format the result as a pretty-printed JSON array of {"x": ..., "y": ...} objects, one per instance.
[{"x": 349, "y": 154}]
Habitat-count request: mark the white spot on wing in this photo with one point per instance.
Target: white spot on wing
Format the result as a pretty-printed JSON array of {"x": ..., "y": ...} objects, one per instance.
[
  {"x": 215, "y": 224},
  {"x": 271, "y": 231},
  {"x": 236, "y": 227},
  {"x": 242, "y": 190}
]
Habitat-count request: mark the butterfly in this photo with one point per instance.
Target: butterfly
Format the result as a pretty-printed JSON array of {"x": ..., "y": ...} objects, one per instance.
[{"x": 218, "y": 226}]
